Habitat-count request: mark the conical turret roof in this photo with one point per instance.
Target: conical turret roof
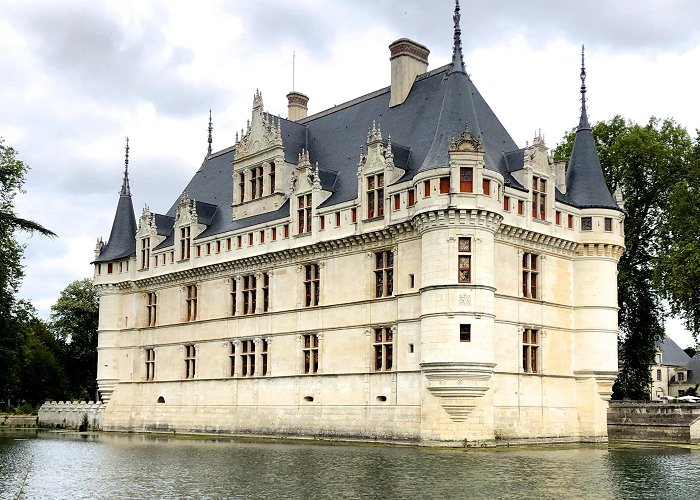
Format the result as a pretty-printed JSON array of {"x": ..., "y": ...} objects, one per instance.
[
  {"x": 585, "y": 184},
  {"x": 122, "y": 238}
]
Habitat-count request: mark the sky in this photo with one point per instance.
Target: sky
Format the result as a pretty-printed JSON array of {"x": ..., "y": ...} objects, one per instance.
[{"x": 79, "y": 76}]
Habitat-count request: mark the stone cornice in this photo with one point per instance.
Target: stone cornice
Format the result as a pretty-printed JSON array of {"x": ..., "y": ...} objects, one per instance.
[
  {"x": 600, "y": 250},
  {"x": 536, "y": 240},
  {"x": 434, "y": 219}
]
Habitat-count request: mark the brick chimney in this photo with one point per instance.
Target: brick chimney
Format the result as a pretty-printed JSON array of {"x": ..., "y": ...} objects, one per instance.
[
  {"x": 408, "y": 60},
  {"x": 297, "y": 106}
]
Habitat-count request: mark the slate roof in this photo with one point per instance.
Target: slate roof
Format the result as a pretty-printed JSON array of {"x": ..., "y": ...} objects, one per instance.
[
  {"x": 671, "y": 353},
  {"x": 440, "y": 105},
  {"x": 122, "y": 238},
  {"x": 693, "y": 367}
]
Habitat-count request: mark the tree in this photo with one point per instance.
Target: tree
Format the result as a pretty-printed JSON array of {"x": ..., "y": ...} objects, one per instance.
[
  {"x": 12, "y": 176},
  {"x": 648, "y": 163},
  {"x": 74, "y": 323}
]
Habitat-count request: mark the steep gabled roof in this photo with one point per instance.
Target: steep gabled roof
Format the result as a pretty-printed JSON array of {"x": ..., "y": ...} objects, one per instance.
[
  {"x": 122, "y": 238},
  {"x": 585, "y": 184},
  {"x": 671, "y": 353}
]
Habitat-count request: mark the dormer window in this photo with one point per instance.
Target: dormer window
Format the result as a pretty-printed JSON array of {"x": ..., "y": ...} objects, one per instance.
[
  {"x": 256, "y": 182},
  {"x": 241, "y": 187},
  {"x": 185, "y": 243},
  {"x": 272, "y": 177},
  {"x": 466, "y": 180},
  {"x": 539, "y": 198},
  {"x": 304, "y": 213},
  {"x": 145, "y": 252},
  {"x": 375, "y": 196}
]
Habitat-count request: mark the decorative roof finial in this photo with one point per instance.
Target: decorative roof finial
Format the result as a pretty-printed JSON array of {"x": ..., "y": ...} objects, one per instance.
[
  {"x": 211, "y": 128},
  {"x": 457, "y": 57},
  {"x": 126, "y": 190},
  {"x": 583, "y": 122}
]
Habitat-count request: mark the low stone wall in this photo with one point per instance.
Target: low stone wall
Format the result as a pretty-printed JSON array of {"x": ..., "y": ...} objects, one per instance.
[
  {"x": 15, "y": 421},
  {"x": 71, "y": 414},
  {"x": 663, "y": 422}
]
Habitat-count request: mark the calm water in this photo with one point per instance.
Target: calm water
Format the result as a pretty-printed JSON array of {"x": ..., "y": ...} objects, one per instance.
[{"x": 53, "y": 465}]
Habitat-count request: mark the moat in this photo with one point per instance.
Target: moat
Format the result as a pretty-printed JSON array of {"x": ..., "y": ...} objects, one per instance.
[{"x": 44, "y": 464}]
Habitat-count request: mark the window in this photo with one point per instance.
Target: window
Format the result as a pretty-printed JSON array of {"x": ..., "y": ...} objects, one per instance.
[
  {"x": 150, "y": 364},
  {"x": 426, "y": 189},
  {"x": 234, "y": 284},
  {"x": 530, "y": 348},
  {"x": 465, "y": 333},
  {"x": 247, "y": 358},
  {"x": 273, "y": 235},
  {"x": 99, "y": 269},
  {"x": 249, "y": 292},
  {"x": 464, "y": 259},
  {"x": 411, "y": 197},
  {"x": 241, "y": 186},
  {"x": 486, "y": 186},
  {"x": 411, "y": 281},
  {"x": 239, "y": 241},
  {"x": 198, "y": 251},
  {"x": 272, "y": 178},
  {"x": 256, "y": 182},
  {"x": 681, "y": 392},
  {"x": 263, "y": 356},
  {"x": 110, "y": 268},
  {"x": 208, "y": 248},
  {"x": 262, "y": 237},
  {"x": 586, "y": 223},
  {"x": 321, "y": 223},
  {"x": 310, "y": 351},
  {"x": 539, "y": 198},
  {"x": 375, "y": 196},
  {"x": 353, "y": 215},
  {"x": 151, "y": 305},
  {"x": 218, "y": 246},
  {"x": 658, "y": 374},
  {"x": 384, "y": 273},
  {"x": 608, "y": 224},
  {"x": 444, "y": 185},
  {"x": 304, "y": 213},
  {"x": 232, "y": 360},
  {"x": 286, "y": 230},
  {"x": 397, "y": 202},
  {"x": 506, "y": 203},
  {"x": 311, "y": 285},
  {"x": 145, "y": 252},
  {"x": 521, "y": 207},
  {"x": 266, "y": 292},
  {"x": 185, "y": 243},
  {"x": 228, "y": 244},
  {"x": 250, "y": 239},
  {"x": 557, "y": 217},
  {"x": 337, "y": 219},
  {"x": 190, "y": 361},
  {"x": 191, "y": 302},
  {"x": 530, "y": 275},
  {"x": 681, "y": 376},
  {"x": 570, "y": 221},
  {"x": 466, "y": 180},
  {"x": 383, "y": 349}
]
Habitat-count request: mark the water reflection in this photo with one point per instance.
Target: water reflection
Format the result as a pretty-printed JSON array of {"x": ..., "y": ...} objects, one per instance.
[{"x": 71, "y": 465}]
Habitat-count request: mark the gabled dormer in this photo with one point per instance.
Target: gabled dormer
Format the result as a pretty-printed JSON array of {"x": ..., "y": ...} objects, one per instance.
[
  {"x": 147, "y": 238},
  {"x": 466, "y": 161},
  {"x": 375, "y": 171},
  {"x": 538, "y": 175},
  {"x": 306, "y": 194},
  {"x": 260, "y": 174},
  {"x": 186, "y": 227}
]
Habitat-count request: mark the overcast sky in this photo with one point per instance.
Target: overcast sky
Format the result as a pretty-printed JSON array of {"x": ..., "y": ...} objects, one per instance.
[{"x": 79, "y": 76}]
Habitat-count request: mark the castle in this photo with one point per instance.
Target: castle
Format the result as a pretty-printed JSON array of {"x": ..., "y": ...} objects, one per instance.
[{"x": 392, "y": 268}]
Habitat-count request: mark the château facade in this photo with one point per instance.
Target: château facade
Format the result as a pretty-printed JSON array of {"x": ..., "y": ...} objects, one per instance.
[{"x": 392, "y": 268}]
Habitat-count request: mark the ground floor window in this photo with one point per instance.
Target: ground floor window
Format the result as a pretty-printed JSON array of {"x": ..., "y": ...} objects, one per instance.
[
  {"x": 531, "y": 351},
  {"x": 383, "y": 346}
]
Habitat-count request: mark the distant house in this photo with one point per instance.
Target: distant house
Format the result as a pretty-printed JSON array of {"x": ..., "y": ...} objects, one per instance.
[{"x": 673, "y": 371}]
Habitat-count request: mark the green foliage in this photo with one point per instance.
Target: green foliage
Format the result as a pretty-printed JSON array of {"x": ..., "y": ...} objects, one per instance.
[
  {"x": 74, "y": 324},
  {"x": 651, "y": 165}
]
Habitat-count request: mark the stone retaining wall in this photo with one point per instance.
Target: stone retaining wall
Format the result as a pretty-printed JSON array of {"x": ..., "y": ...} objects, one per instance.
[
  {"x": 70, "y": 414},
  {"x": 15, "y": 421},
  {"x": 666, "y": 422}
]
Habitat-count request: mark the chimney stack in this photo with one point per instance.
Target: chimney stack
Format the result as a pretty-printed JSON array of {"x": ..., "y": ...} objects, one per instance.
[
  {"x": 297, "y": 106},
  {"x": 408, "y": 60}
]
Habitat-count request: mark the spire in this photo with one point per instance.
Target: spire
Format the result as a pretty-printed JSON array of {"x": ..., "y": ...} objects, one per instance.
[
  {"x": 583, "y": 122},
  {"x": 585, "y": 183},
  {"x": 126, "y": 190},
  {"x": 211, "y": 128},
  {"x": 457, "y": 58}
]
